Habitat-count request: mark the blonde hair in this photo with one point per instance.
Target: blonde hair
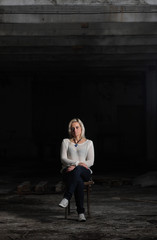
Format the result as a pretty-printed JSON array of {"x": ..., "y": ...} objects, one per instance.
[{"x": 81, "y": 124}]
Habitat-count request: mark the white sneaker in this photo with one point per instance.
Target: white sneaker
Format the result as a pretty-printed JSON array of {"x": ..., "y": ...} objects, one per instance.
[
  {"x": 81, "y": 217},
  {"x": 64, "y": 203}
]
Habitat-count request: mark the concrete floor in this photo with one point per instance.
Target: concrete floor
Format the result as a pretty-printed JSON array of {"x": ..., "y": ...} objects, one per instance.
[{"x": 123, "y": 212}]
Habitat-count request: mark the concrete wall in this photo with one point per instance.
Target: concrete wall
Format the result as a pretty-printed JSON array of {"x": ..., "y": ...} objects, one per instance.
[
  {"x": 15, "y": 128},
  {"x": 90, "y": 59},
  {"x": 68, "y": 2},
  {"x": 36, "y": 110}
]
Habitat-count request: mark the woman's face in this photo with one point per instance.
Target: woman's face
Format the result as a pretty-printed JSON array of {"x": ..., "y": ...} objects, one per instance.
[{"x": 76, "y": 129}]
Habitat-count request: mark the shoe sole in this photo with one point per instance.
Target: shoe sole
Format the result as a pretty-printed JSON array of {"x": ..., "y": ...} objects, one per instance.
[
  {"x": 82, "y": 220},
  {"x": 62, "y": 206}
]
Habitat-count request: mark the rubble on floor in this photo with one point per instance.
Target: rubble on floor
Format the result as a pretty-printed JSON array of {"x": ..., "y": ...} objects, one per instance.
[
  {"x": 118, "y": 212},
  {"x": 147, "y": 179}
]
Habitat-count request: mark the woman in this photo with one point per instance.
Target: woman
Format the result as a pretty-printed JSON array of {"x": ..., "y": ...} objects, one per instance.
[{"x": 77, "y": 156}]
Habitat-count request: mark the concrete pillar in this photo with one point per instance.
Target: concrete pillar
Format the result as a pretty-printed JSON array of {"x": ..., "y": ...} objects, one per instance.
[
  {"x": 151, "y": 113},
  {"x": 29, "y": 108}
]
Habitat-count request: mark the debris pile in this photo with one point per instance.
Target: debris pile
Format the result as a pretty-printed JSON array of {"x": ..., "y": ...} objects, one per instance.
[
  {"x": 146, "y": 180},
  {"x": 43, "y": 187}
]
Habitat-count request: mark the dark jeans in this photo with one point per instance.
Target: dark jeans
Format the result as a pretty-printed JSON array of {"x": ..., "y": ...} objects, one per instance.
[{"x": 74, "y": 181}]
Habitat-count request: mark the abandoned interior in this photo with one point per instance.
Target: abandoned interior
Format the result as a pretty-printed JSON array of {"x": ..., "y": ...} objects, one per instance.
[{"x": 95, "y": 60}]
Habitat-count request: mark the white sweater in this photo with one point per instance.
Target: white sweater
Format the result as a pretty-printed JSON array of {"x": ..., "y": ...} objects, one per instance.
[{"x": 71, "y": 155}]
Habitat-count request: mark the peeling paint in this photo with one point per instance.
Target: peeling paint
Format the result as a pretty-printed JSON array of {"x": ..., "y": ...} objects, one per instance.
[
  {"x": 53, "y": 1},
  {"x": 76, "y": 2}
]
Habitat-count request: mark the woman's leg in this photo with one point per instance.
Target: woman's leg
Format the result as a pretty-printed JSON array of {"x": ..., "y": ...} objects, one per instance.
[
  {"x": 79, "y": 197},
  {"x": 79, "y": 191},
  {"x": 71, "y": 179},
  {"x": 75, "y": 184}
]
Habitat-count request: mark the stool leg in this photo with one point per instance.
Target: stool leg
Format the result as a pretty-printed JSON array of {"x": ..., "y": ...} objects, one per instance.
[
  {"x": 69, "y": 208},
  {"x": 67, "y": 211},
  {"x": 88, "y": 201}
]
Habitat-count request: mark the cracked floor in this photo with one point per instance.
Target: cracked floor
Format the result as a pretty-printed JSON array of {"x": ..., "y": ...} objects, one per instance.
[{"x": 124, "y": 212}]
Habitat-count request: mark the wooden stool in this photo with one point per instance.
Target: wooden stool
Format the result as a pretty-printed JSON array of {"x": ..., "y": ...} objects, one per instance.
[{"x": 87, "y": 187}]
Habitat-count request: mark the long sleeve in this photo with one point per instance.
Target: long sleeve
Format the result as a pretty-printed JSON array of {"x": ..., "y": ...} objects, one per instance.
[
  {"x": 72, "y": 155},
  {"x": 64, "y": 158},
  {"x": 90, "y": 155}
]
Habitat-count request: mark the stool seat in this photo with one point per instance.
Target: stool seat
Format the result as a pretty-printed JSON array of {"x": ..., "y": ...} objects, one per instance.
[
  {"x": 87, "y": 188},
  {"x": 89, "y": 183}
]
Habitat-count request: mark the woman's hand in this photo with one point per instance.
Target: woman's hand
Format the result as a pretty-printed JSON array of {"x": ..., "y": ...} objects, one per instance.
[
  {"x": 69, "y": 169},
  {"x": 83, "y": 165}
]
